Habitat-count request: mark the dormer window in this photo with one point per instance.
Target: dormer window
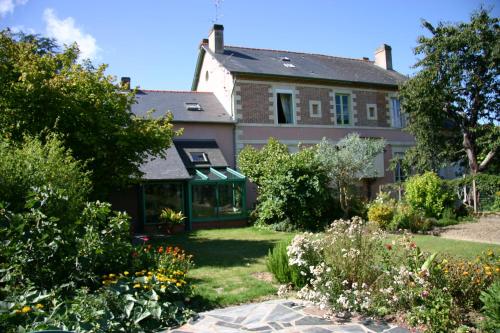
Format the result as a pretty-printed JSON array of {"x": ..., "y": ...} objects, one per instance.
[
  {"x": 198, "y": 157},
  {"x": 285, "y": 59},
  {"x": 193, "y": 107}
]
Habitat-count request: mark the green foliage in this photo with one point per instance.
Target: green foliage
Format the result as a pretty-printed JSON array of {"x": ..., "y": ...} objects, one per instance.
[
  {"x": 347, "y": 162},
  {"x": 293, "y": 192},
  {"x": 452, "y": 101},
  {"x": 277, "y": 263},
  {"x": 488, "y": 188},
  {"x": 33, "y": 164},
  {"x": 168, "y": 215},
  {"x": 427, "y": 192},
  {"x": 381, "y": 211},
  {"x": 48, "y": 251},
  {"x": 491, "y": 307},
  {"x": 45, "y": 91},
  {"x": 141, "y": 301}
]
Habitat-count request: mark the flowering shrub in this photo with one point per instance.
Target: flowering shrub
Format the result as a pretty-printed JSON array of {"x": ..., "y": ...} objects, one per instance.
[
  {"x": 352, "y": 269},
  {"x": 381, "y": 211},
  {"x": 139, "y": 300}
]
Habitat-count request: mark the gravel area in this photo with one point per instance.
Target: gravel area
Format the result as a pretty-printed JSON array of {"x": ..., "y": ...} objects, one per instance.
[{"x": 486, "y": 230}]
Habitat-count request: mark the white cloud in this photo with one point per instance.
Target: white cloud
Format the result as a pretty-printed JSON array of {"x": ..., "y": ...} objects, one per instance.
[
  {"x": 7, "y": 6},
  {"x": 22, "y": 28},
  {"x": 65, "y": 32}
]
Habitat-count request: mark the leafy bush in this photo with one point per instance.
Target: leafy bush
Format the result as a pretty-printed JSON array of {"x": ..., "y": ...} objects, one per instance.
[
  {"x": 491, "y": 308},
  {"x": 34, "y": 164},
  {"x": 293, "y": 188},
  {"x": 381, "y": 211},
  {"x": 277, "y": 263},
  {"x": 427, "y": 192},
  {"x": 48, "y": 251},
  {"x": 141, "y": 301}
]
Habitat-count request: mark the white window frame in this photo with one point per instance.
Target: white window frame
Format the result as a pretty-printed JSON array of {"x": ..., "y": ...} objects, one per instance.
[
  {"x": 399, "y": 153},
  {"x": 349, "y": 108},
  {"x": 311, "y": 109},
  {"x": 375, "y": 111},
  {"x": 394, "y": 122},
  {"x": 275, "y": 101}
]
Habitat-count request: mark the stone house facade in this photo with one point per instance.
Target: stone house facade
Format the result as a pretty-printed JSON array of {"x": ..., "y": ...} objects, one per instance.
[{"x": 302, "y": 98}]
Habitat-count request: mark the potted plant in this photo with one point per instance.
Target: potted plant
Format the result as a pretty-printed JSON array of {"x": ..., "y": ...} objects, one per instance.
[{"x": 171, "y": 219}]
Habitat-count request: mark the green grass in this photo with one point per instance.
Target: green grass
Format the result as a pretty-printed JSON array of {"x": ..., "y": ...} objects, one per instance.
[
  {"x": 225, "y": 260},
  {"x": 458, "y": 248}
]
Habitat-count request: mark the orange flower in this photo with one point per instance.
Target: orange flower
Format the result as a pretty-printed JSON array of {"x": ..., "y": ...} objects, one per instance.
[
  {"x": 160, "y": 249},
  {"x": 465, "y": 273}
]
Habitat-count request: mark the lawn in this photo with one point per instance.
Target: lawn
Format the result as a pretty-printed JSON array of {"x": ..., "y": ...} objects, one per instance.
[{"x": 226, "y": 261}]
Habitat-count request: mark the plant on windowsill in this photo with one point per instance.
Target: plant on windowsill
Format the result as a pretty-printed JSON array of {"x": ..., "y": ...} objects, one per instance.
[{"x": 171, "y": 218}]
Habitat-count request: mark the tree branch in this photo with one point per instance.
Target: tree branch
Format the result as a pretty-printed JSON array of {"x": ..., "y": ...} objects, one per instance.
[{"x": 487, "y": 160}]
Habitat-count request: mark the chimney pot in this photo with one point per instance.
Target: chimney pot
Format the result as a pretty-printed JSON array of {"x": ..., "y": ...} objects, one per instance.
[
  {"x": 216, "y": 39},
  {"x": 383, "y": 57},
  {"x": 125, "y": 82}
]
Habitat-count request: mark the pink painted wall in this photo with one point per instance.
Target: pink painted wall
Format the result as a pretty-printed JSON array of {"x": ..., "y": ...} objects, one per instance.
[
  {"x": 222, "y": 133},
  {"x": 317, "y": 133}
]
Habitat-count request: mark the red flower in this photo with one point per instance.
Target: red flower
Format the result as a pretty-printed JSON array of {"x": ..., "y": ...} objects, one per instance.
[
  {"x": 134, "y": 254},
  {"x": 160, "y": 249},
  {"x": 388, "y": 246},
  {"x": 413, "y": 245},
  {"x": 169, "y": 249}
]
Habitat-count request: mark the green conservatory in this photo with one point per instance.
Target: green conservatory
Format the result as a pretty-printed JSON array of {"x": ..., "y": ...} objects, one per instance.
[{"x": 194, "y": 179}]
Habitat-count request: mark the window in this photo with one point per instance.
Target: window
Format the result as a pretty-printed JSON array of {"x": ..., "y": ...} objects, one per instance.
[
  {"x": 160, "y": 196},
  {"x": 396, "y": 113},
  {"x": 342, "y": 107},
  {"x": 399, "y": 174},
  {"x": 193, "y": 107},
  {"x": 315, "y": 109},
  {"x": 284, "y": 102},
  {"x": 207, "y": 76},
  {"x": 371, "y": 111},
  {"x": 198, "y": 157}
]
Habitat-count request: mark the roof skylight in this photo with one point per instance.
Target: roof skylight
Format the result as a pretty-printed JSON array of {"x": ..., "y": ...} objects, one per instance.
[{"x": 193, "y": 107}]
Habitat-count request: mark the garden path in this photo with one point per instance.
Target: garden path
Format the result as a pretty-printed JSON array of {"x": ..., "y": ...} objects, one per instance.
[
  {"x": 486, "y": 230},
  {"x": 286, "y": 316}
]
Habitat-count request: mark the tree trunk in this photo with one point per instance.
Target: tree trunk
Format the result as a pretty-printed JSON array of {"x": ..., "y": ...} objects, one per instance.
[{"x": 471, "y": 156}]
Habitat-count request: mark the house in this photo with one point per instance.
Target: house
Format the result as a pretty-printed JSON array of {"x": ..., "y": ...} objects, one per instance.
[{"x": 242, "y": 96}]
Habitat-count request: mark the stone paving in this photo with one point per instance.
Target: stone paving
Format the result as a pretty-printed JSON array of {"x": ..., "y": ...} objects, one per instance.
[{"x": 287, "y": 316}]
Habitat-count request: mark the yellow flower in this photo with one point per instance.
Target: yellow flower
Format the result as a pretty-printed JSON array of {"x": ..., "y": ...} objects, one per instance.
[
  {"x": 490, "y": 253},
  {"x": 39, "y": 306},
  {"x": 26, "y": 309},
  {"x": 125, "y": 273},
  {"x": 112, "y": 275},
  {"x": 497, "y": 269},
  {"x": 465, "y": 273},
  {"x": 488, "y": 273},
  {"x": 178, "y": 284},
  {"x": 137, "y": 285}
]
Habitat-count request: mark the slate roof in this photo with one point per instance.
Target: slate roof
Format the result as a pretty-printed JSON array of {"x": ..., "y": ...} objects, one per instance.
[
  {"x": 170, "y": 167},
  {"x": 177, "y": 164},
  {"x": 215, "y": 157},
  {"x": 173, "y": 101},
  {"x": 306, "y": 65}
]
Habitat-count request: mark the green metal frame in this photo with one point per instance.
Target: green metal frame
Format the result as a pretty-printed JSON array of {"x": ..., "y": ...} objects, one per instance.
[{"x": 222, "y": 180}]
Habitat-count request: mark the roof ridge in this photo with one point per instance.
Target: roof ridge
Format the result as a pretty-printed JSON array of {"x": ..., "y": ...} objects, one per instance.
[
  {"x": 177, "y": 91},
  {"x": 297, "y": 52}
]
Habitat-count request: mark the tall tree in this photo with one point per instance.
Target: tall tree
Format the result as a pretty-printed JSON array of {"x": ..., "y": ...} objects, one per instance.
[
  {"x": 46, "y": 90},
  {"x": 455, "y": 93},
  {"x": 453, "y": 101}
]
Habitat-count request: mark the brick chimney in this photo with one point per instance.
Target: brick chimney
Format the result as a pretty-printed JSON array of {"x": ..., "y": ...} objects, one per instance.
[
  {"x": 383, "y": 57},
  {"x": 125, "y": 83},
  {"x": 216, "y": 39}
]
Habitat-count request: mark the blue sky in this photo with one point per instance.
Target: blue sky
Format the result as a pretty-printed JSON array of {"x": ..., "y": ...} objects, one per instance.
[{"x": 156, "y": 42}]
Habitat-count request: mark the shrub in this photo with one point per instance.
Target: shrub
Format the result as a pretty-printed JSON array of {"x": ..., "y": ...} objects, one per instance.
[
  {"x": 491, "y": 308},
  {"x": 381, "y": 211},
  {"x": 34, "y": 164},
  {"x": 141, "y": 301},
  {"x": 293, "y": 188},
  {"x": 277, "y": 263},
  {"x": 427, "y": 192},
  {"x": 48, "y": 251}
]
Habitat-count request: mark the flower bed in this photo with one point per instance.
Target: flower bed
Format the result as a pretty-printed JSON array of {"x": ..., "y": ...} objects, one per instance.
[{"x": 351, "y": 269}]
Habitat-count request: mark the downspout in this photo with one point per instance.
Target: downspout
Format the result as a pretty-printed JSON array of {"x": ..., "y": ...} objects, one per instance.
[{"x": 234, "y": 118}]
